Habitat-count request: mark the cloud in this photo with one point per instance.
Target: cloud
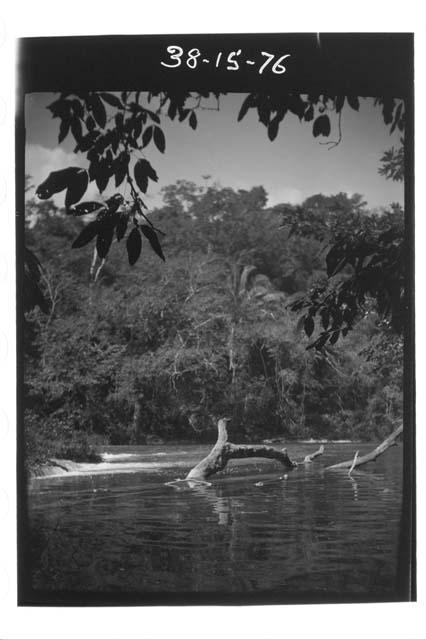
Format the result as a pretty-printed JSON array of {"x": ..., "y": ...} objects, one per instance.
[{"x": 284, "y": 194}]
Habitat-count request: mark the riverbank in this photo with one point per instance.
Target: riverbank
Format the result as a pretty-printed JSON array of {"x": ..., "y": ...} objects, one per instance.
[{"x": 57, "y": 467}]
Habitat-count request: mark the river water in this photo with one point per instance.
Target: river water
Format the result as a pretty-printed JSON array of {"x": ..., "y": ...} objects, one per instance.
[{"x": 117, "y": 530}]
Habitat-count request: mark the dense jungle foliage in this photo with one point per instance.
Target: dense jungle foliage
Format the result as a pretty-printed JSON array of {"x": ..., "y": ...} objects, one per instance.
[{"x": 157, "y": 351}]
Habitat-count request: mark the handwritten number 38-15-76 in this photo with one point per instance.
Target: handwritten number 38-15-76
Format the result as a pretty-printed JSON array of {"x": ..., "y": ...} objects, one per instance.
[{"x": 233, "y": 62}]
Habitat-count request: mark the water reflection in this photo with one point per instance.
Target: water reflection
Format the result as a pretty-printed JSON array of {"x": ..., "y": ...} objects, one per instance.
[{"x": 313, "y": 531}]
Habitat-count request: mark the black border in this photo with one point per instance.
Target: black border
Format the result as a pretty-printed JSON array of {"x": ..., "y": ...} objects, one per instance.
[{"x": 374, "y": 64}]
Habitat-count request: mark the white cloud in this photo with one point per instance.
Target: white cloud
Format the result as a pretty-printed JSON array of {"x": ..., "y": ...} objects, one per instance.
[{"x": 284, "y": 194}]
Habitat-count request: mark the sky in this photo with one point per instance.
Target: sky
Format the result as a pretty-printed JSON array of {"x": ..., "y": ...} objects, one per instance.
[{"x": 239, "y": 154}]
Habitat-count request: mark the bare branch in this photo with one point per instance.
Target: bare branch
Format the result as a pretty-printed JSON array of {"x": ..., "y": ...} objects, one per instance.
[
  {"x": 335, "y": 143},
  {"x": 369, "y": 457}
]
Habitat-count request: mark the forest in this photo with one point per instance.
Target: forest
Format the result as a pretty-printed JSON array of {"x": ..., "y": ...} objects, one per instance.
[{"x": 225, "y": 326}]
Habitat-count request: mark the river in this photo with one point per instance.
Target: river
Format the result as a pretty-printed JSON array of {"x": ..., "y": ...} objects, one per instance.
[{"x": 116, "y": 532}]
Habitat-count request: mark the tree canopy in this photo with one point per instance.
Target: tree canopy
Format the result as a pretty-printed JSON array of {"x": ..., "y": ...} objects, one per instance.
[{"x": 115, "y": 131}]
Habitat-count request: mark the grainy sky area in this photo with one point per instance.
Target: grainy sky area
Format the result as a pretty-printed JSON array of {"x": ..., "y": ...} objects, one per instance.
[{"x": 239, "y": 154}]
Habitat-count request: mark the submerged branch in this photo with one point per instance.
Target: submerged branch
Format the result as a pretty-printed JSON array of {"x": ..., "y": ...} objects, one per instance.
[
  {"x": 369, "y": 457},
  {"x": 314, "y": 455}
]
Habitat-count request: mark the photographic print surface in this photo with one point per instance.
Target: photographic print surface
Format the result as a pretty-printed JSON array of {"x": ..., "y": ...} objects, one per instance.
[{"x": 215, "y": 266}]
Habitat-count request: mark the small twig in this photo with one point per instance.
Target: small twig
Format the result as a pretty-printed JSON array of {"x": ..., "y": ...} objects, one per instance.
[
  {"x": 353, "y": 463},
  {"x": 373, "y": 455},
  {"x": 314, "y": 455},
  {"x": 99, "y": 269},
  {"x": 136, "y": 200},
  {"x": 92, "y": 266},
  {"x": 335, "y": 143}
]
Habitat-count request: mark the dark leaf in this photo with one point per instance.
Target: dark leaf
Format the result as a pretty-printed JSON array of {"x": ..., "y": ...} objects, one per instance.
[
  {"x": 121, "y": 227},
  {"x": 102, "y": 180},
  {"x": 309, "y": 113},
  {"x": 60, "y": 108},
  {"x": 321, "y": 126},
  {"x": 90, "y": 123},
  {"x": 115, "y": 140},
  {"x": 85, "y": 207},
  {"x": 354, "y": 103},
  {"x": 159, "y": 139},
  {"x": 273, "y": 129},
  {"x": 151, "y": 173},
  {"x": 388, "y": 107},
  {"x": 142, "y": 171},
  {"x": 64, "y": 130},
  {"x": 136, "y": 125},
  {"x": 112, "y": 100},
  {"x": 264, "y": 111},
  {"x": 78, "y": 108},
  {"x": 88, "y": 233},
  {"x": 172, "y": 110},
  {"x": 77, "y": 187},
  {"x": 309, "y": 325},
  {"x": 340, "y": 101},
  {"x": 134, "y": 245},
  {"x": 318, "y": 344},
  {"x": 183, "y": 114},
  {"x": 141, "y": 176},
  {"x": 248, "y": 103},
  {"x": 114, "y": 202},
  {"x": 153, "y": 116},
  {"x": 57, "y": 181},
  {"x": 334, "y": 338},
  {"x": 120, "y": 167},
  {"x": 153, "y": 240},
  {"x": 296, "y": 105},
  {"x": 76, "y": 129},
  {"x": 119, "y": 120},
  {"x": 193, "y": 120},
  {"x": 147, "y": 135},
  {"x": 104, "y": 240},
  {"x": 95, "y": 105},
  {"x": 397, "y": 117},
  {"x": 87, "y": 141},
  {"x": 333, "y": 259}
]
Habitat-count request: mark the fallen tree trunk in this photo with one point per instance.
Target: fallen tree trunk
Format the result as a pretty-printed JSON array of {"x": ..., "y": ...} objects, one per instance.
[
  {"x": 369, "y": 457},
  {"x": 223, "y": 451}
]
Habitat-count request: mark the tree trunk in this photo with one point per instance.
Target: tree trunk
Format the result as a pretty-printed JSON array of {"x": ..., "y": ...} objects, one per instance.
[
  {"x": 223, "y": 451},
  {"x": 137, "y": 436},
  {"x": 369, "y": 457}
]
